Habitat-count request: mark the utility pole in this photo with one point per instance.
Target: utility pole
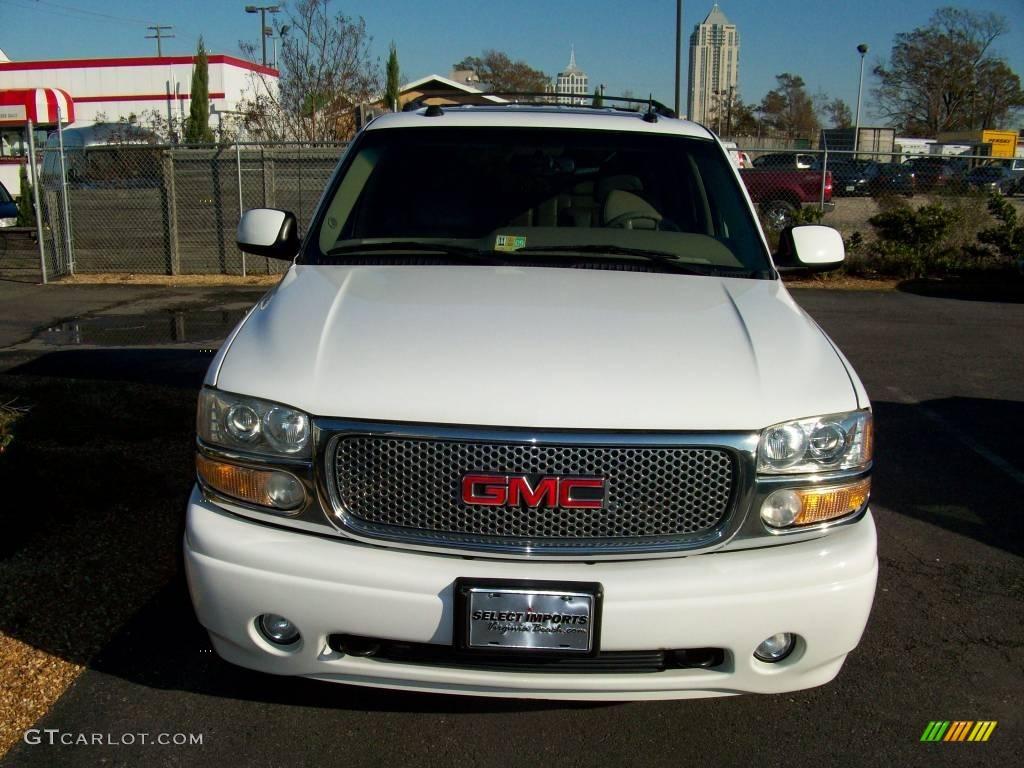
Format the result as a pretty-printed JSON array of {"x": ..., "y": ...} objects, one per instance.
[
  {"x": 262, "y": 10},
  {"x": 158, "y": 36},
  {"x": 728, "y": 115},
  {"x": 679, "y": 45}
]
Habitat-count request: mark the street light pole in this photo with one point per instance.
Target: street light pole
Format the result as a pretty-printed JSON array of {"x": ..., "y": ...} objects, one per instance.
[
  {"x": 679, "y": 45},
  {"x": 862, "y": 49},
  {"x": 262, "y": 10}
]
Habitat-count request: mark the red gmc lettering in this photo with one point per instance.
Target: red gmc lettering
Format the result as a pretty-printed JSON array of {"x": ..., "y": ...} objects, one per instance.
[
  {"x": 484, "y": 489},
  {"x": 551, "y": 492},
  {"x": 546, "y": 492}
]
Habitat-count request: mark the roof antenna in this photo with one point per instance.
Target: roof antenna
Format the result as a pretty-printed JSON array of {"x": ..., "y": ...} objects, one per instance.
[{"x": 651, "y": 116}]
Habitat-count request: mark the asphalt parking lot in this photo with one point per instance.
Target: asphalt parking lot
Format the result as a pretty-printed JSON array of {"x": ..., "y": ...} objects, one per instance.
[{"x": 945, "y": 640}]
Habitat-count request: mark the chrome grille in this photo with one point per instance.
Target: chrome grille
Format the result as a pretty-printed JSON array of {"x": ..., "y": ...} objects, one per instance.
[{"x": 412, "y": 486}]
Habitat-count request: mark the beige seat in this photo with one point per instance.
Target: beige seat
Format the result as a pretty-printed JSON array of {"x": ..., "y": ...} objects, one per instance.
[{"x": 629, "y": 211}]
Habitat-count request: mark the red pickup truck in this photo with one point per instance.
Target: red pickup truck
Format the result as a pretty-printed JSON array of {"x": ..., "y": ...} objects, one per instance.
[{"x": 779, "y": 192}]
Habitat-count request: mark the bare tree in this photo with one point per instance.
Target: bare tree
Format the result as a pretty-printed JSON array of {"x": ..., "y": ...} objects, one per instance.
[
  {"x": 326, "y": 72},
  {"x": 945, "y": 77}
]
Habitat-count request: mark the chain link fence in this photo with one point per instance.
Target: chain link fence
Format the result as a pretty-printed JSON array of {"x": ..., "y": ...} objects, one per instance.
[
  {"x": 168, "y": 210},
  {"x": 134, "y": 208}
]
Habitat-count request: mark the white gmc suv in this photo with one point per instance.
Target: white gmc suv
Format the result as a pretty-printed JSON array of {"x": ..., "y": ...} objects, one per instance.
[{"x": 531, "y": 414}]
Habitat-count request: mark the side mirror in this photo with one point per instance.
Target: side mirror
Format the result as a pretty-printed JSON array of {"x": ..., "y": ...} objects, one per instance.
[
  {"x": 268, "y": 232},
  {"x": 809, "y": 248}
]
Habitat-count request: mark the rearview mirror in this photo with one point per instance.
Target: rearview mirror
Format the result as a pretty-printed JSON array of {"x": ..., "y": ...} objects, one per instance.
[
  {"x": 268, "y": 232},
  {"x": 809, "y": 248}
]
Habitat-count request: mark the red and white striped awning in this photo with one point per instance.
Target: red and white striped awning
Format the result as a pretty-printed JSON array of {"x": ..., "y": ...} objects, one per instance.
[{"x": 40, "y": 105}]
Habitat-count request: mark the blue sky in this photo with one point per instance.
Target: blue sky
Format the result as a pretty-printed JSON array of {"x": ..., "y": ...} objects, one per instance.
[{"x": 626, "y": 44}]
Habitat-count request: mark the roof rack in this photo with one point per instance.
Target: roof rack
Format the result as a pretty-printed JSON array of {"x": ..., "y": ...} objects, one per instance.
[{"x": 652, "y": 109}]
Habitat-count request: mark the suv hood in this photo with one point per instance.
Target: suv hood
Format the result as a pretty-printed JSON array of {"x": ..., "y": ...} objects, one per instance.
[{"x": 535, "y": 347}]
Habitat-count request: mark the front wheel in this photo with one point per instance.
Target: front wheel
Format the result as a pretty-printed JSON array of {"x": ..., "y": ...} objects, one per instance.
[{"x": 778, "y": 214}]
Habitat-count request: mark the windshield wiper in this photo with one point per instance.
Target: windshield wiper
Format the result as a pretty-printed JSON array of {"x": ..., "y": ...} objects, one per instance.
[
  {"x": 447, "y": 249},
  {"x": 671, "y": 260}
]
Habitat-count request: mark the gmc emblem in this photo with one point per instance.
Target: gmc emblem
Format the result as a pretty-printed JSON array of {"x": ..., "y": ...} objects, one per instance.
[{"x": 544, "y": 491}]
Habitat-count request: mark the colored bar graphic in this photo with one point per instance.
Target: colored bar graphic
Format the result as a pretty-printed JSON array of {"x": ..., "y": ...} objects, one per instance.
[
  {"x": 958, "y": 730},
  {"x": 982, "y": 730}
]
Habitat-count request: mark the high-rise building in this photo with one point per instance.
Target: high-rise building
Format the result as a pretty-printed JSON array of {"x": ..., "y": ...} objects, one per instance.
[
  {"x": 714, "y": 66},
  {"x": 572, "y": 80}
]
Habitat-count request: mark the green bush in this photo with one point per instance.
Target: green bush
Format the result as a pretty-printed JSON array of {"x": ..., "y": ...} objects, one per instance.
[
  {"x": 26, "y": 212},
  {"x": 1007, "y": 238},
  {"x": 914, "y": 242}
]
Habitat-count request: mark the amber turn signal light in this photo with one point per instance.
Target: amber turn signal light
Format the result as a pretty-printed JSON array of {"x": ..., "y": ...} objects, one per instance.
[
  {"x": 281, "y": 491},
  {"x": 795, "y": 507}
]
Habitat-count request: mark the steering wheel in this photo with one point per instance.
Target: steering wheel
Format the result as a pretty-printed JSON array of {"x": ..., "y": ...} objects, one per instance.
[{"x": 625, "y": 220}]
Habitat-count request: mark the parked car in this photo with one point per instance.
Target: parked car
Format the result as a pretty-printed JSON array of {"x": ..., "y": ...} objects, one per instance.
[
  {"x": 936, "y": 174},
  {"x": 890, "y": 179},
  {"x": 8, "y": 208},
  {"x": 780, "y": 193},
  {"x": 1015, "y": 166},
  {"x": 739, "y": 158},
  {"x": 849, "y": 177},
  {"x": 995, "y": 179},
  {"x": 787, "y": 160}
]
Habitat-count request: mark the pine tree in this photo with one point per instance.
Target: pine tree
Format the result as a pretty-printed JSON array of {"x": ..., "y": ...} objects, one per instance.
[
  {"x": 391, "y": 89},
  {"x": 197, "y": 126},
  {"x": 598, "y": 97}
]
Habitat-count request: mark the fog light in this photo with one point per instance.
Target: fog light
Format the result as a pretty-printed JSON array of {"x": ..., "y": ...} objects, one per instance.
[
  {"x": 780, "y": 508},
  {"x": 775, "y": 648},
  {"x": 284, "y": 490},
  {"x": 277, "y": 629}
]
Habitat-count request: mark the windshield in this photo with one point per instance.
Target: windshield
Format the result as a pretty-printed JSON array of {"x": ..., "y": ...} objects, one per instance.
[{"x": 556, "y": 193}]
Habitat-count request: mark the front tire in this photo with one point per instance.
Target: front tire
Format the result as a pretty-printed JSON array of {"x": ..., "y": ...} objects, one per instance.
[{"x": 778, "y": 214}]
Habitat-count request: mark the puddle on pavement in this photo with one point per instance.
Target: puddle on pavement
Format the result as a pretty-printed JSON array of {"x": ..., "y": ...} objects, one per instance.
[{"x": 155, "y": 328}]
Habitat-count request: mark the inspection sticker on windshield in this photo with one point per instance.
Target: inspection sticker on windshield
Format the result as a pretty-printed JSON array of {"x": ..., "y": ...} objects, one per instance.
[{"x": 509, "y": 242}]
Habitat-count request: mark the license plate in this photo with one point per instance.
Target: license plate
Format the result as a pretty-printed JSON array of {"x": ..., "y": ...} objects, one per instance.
[
  {"x": 532, "y": 617},
  {"x": 850, "y": 188}
]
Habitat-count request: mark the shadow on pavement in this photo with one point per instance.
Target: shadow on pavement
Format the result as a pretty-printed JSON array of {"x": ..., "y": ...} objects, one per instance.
[
  {"x": 953, "y": 463},
  {"x": 1007, "y": 289},
  {"x": 167, "y": 367}
]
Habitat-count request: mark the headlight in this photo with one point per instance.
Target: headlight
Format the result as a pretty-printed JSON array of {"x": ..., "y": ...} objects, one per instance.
[
  {"x": 250, "y": 424},
  {"x": 838, "y": 441}
]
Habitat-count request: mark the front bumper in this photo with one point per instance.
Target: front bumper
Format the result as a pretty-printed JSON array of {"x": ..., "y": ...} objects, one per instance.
[{"x": 821, "y": 590}]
